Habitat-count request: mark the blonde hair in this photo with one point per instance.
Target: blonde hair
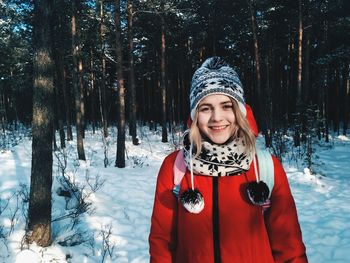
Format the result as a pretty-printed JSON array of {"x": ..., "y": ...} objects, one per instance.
[{"x": 242, "y": 130}]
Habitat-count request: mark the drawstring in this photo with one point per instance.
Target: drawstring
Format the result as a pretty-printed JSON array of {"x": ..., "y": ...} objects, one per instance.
[
  {"x": 191, "y": 166},
  {"x": 256, "y": 170}
]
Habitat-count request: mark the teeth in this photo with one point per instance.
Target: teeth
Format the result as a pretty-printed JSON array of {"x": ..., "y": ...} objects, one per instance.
[{"x": 218, "y": 127}]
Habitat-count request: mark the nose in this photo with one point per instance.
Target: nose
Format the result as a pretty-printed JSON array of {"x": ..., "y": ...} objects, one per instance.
[{"x": 216, "y": 115}]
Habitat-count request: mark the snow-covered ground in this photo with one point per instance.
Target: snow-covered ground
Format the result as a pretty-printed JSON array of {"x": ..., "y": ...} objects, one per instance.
[
  {"x": 115, "y": 228},
  {"x": 323, "y": 202}
]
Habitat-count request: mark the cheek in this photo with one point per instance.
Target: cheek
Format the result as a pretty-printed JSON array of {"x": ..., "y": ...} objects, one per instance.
[
  {"x": 202, "y": 121},
  {"x": 230, "y": 116},
  {"x": 233, "y": 119}
]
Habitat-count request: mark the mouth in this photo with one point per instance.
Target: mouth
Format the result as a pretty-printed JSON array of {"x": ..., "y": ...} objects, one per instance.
[{"x": 218, "y": 128}]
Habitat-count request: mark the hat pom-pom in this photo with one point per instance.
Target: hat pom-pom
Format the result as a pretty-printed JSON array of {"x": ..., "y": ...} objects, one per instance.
[
  {"x": 258, "y": 192},
  {"x": 192, "y": 200},
  {"x": 215, "y": 63}
]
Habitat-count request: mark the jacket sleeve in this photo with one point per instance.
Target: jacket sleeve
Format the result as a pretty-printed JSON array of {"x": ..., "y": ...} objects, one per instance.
[
  {"x": 162, "y": 238},
  {"x": 282, "y": 222}
]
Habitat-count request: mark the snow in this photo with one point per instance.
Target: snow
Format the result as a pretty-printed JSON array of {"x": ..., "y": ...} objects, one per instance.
[
  {"x": 323, "y": 203},
  {"x": 116, "y": 225}
]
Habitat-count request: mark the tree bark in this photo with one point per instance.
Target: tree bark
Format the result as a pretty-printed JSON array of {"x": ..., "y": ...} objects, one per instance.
[
  {"x": 76, "y": 86},
  {"x": 103, "y": 97},
  {"x": 2, "y": 108},
  {"x": 61, "y": 81},
  {"x": 163, "y": 76},
  {"x": 325, "y": 74},
  {"x": 326, "y": 102},
  {"x": 258, "y": 92},
  {"x": 82, "y": 94},
  {"x": 256, "y": 49},
  {"x": 67, "y": 103},
  {"x": 268, "y": 97},
  {"x": 120, "y": 160},
  {"x": 59, "y": 116},
  {"x": 58, "y": 79},
  {"x": 39, "y": 214},
  {"x": 299, "y": 101},
  {"x": 336, "y": 98},
  {"x": 93, "y": 92},
  {"x": 306, "y": 80},
  {"x": 61, "y": 90},
  {"x": 300, "y": 59},
  {"x": 132, "y": 88}
]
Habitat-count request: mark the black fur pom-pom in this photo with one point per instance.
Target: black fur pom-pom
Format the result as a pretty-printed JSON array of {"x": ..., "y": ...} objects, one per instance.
[
  {"x": 192, "y": 200},
  {"x": 258, "y": 192},
  {"x": 215, "y": 63}
]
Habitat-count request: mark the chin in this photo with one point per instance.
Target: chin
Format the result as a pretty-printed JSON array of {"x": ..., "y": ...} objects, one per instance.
[{"x": 219, "y": 140}]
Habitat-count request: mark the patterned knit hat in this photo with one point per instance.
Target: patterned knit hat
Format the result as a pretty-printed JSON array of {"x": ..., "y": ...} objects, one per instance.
[{"x": 215, "y": 76}]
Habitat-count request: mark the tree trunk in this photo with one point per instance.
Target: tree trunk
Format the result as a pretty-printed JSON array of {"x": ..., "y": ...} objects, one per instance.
[
  {"x": 61, "y": 89},
  {"x": 256, "y": 49},
  {"x": 300, "y": 59},
  {"x": 67, "y": 104},
  {"x": 325, "y": 81},
  {"x": 93, "y": 92},
  {"x": 258, "y": 97},
  {"x": 306, "y": 80},
  {"x": 289, "y": 77},
  {"x": 150, "y": 85},
  {"x": 76, "y": 86},
  {"x": 120, "y": 160},
  {"x": 162, "y": 78},
  {"x": 82, "y": 92},
  {"x": 142, "y": 110},
  {"x": 211, "y": 33},
  {"x": 179, "y": 102},
  {"x": 268, "y": 106},
  {"x": 39, "y": 214},
  {"x": 2, "y": 108},
  {"x": 57, "y": 53},
  {"x": 326, "y": 102},
  {"x": 132, "y": 88},
  {"x": 299, "y": 101},
  {"x": 54, "y": 128},
  {"x": 59, "y": 116},
  {"x": 336, "y": 98},
  {"x": 103, "y": 97}
]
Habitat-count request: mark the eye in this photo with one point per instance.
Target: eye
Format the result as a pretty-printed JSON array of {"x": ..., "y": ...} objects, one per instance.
[
  {"x": 204, "y": 109},
  {"x": 227, "y": 106}
]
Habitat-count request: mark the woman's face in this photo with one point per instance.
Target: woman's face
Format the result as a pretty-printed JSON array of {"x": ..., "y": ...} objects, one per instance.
[{"x": 216, "y": 119}]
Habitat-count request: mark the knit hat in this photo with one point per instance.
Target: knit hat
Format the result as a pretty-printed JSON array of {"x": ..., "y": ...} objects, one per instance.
[{"x": 215, "y": 76}]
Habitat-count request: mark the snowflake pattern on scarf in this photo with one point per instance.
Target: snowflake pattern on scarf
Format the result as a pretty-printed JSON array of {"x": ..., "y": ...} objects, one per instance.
[{"x": 219, "y": 160}]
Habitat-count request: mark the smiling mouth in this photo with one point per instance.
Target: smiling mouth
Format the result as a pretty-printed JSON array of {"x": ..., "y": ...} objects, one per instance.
[{"x": 218, "y": 128}]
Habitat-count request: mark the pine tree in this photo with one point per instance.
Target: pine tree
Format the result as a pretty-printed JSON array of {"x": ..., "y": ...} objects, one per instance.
[{"x": 39, "y": 215}]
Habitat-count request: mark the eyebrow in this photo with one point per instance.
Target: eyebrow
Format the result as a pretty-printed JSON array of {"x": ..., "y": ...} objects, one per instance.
[{"x": 209, "y": 104}]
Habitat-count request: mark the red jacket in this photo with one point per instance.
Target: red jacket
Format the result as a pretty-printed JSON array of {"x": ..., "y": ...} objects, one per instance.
[{"x": 229, "y": 226}]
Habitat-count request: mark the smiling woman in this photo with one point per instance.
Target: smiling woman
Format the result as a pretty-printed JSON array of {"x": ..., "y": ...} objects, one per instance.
[{"x": 222, "y": 211}]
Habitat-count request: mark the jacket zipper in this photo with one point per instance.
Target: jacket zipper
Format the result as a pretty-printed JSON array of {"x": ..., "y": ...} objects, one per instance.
[{"x": 216, "y": 221}]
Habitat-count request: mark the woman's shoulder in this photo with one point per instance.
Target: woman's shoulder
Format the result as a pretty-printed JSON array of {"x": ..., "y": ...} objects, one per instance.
[
  {"x": 171, "y": 157},
  {"x": 165, "y": 175},
  {"x": 277, "y": 164},
  {"x": 169, "y": 161},
  {"x": 281, "y": 185}
]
